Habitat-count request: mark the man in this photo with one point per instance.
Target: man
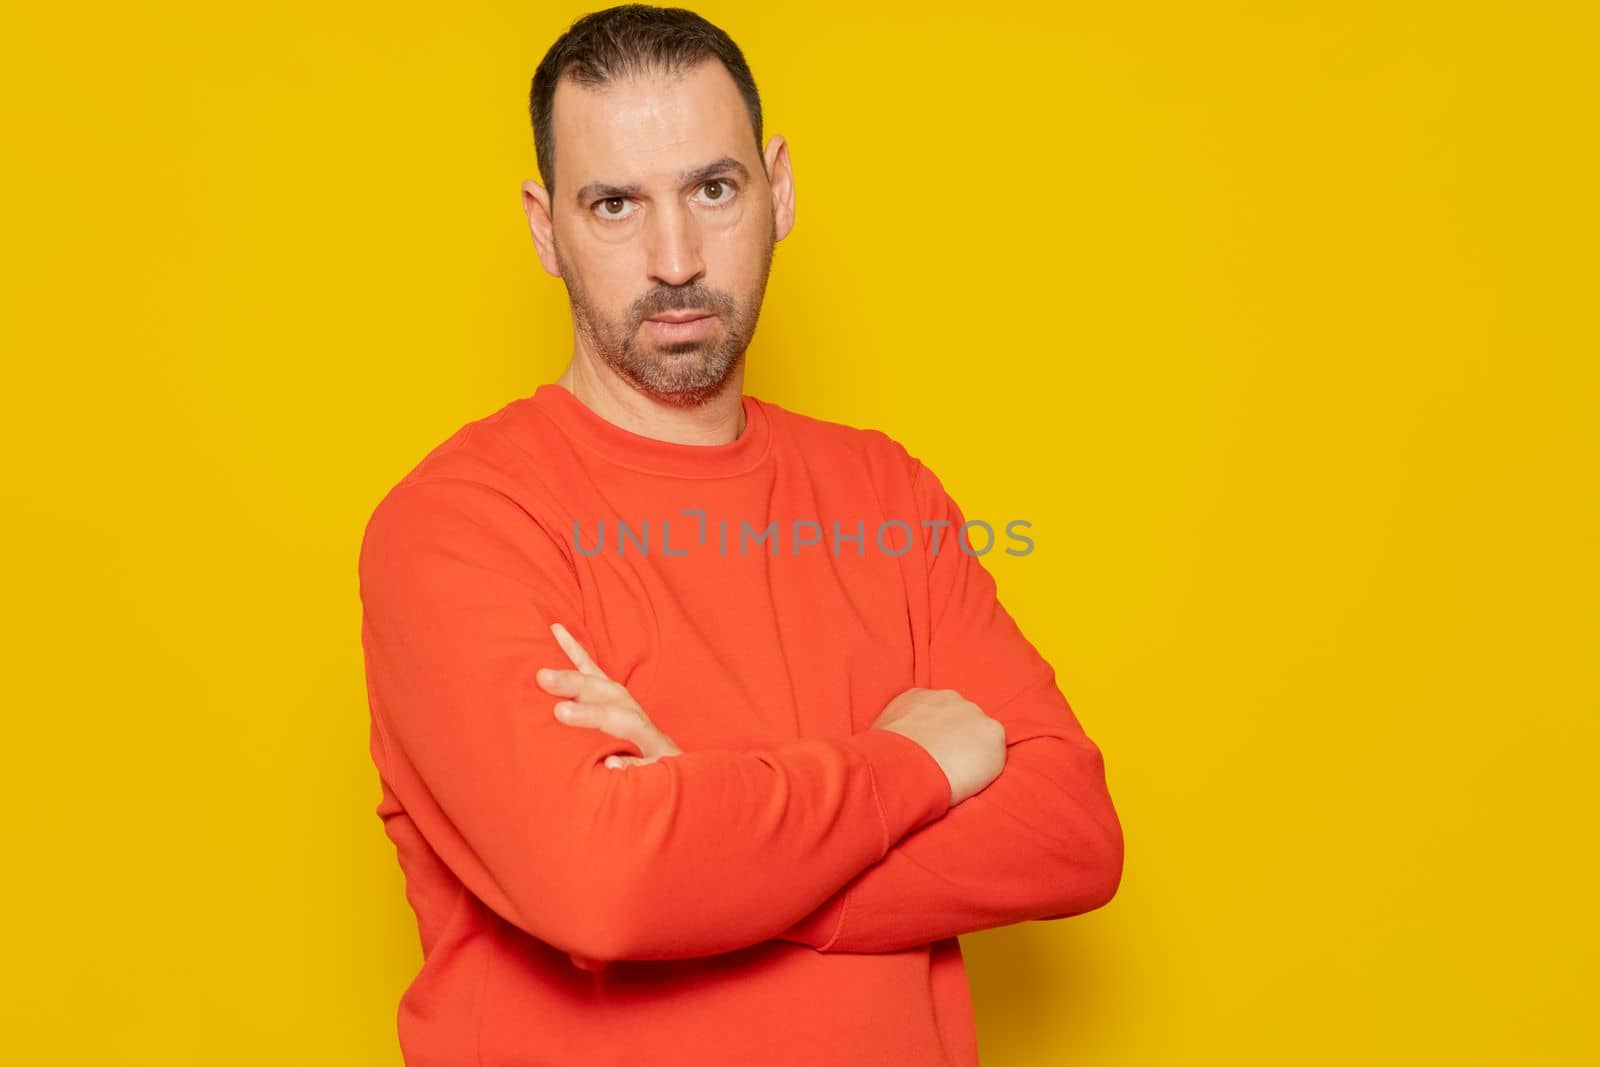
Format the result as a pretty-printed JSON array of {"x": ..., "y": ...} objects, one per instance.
[{"x": 701, "y": 733}]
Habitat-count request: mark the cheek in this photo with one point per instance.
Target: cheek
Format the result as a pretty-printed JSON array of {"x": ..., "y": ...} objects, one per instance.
[
  {"x": 609, "y": 279},
  {"x": 737, "y": 254}
]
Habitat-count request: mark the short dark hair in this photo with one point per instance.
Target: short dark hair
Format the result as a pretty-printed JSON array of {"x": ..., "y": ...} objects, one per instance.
[{"x": 630, "y": 39}]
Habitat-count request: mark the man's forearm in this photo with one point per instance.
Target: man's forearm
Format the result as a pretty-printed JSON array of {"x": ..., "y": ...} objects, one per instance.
[{"x": 1042, "y": 841}]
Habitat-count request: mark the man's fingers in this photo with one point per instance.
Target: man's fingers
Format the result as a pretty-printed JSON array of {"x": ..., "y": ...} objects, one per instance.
[
  {"x": 618, "y": 721},
  {"x": 576, "y": 652},
  {"x": 595, "y": 689}
]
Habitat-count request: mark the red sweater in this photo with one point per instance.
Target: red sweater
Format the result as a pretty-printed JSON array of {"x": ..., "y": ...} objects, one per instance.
[{"x": 789, "y": 889}]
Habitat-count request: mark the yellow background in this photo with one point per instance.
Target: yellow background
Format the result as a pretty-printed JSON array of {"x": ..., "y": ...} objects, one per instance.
[{"x": 1276, "y": 320}]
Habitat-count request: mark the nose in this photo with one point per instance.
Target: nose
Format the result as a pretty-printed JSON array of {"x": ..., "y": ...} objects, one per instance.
[{"x": 674, "y": 254}]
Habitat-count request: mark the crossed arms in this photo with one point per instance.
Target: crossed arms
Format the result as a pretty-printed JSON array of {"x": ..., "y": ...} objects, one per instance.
[{"x": 842, "y": 844}]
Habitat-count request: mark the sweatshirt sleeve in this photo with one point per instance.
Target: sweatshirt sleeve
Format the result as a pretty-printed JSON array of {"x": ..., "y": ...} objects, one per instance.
[
  {"x": 1042, "y": 841},
  {"x": 706, "y": 852}
]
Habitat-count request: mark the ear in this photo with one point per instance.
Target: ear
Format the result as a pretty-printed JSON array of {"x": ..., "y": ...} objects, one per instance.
[
  {"x": 781, "y": 178},
  {"x": 536, "y": 205}
]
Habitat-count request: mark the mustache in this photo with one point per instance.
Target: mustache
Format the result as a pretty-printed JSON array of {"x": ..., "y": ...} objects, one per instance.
[{"x": 691, "y": 299}]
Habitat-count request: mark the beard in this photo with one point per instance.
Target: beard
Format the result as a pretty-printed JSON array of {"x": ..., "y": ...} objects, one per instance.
[{"x": 683, "y": 373}]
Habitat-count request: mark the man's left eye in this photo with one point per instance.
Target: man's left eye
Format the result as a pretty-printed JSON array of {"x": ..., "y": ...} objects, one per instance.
[{"x": 722, "y": 190}]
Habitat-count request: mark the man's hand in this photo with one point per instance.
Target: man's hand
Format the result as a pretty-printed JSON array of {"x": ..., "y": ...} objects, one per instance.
[
  {"x": 967, "y": 744},
  {"x": 602, "y": 704}
]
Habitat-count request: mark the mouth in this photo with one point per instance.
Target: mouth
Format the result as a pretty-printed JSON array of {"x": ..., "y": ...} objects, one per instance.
[
  {"x": 681, "y": 325},
  {"x": 680, "y": 316}
]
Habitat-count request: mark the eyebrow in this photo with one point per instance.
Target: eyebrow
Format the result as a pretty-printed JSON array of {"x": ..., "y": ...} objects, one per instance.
[{"x": 692, "y": 176}]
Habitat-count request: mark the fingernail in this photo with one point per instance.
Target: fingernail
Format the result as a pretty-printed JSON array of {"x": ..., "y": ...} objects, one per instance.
[{"x": 563, "y": 710}]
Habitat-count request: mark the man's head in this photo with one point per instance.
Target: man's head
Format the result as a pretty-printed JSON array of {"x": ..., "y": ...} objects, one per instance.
[{"x": 657, "y": 198}]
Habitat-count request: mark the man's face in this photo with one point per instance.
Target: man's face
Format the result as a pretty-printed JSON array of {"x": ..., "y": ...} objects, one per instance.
[{"x": 662, "y": 207}]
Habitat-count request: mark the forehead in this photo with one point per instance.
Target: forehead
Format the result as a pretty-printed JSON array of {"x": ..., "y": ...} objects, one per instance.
[{"x": 649, "y": 128}]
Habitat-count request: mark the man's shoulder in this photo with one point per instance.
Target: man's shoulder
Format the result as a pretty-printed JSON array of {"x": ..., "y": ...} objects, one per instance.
[
  {"x": 830, "y": 440},
  {"x": 476, "y": 473},
  {"x": 474, "y": 451}
]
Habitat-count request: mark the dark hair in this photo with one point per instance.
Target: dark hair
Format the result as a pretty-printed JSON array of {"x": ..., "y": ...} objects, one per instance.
[{"x": 630, "y": 39}]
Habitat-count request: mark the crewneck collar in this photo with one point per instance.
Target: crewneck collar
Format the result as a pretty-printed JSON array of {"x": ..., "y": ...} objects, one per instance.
[{"x": 652, "y": 455}]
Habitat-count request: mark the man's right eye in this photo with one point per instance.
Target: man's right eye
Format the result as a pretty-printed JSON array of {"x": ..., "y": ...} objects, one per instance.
[{"x": 609, "y": 208}]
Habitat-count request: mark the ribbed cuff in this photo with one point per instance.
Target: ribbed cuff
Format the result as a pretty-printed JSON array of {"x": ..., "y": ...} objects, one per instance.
[
  {"x": 821, "y": 928},
  {"x": 910, "y": 786}
]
